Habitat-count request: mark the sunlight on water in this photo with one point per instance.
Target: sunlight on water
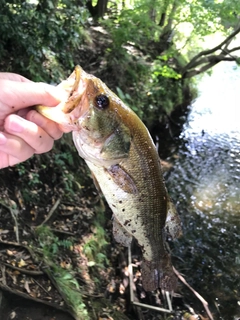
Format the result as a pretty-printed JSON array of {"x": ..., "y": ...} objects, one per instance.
[
  {"x": 205, "y": 185},
  {"x": 216, "y": 193},
  {"x": 217, "y": 110},
  {"x": 214, "y": 123}
]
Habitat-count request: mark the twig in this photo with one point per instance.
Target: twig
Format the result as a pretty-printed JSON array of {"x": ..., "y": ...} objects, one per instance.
[
  {"x": 14, "y": 213},
  {"x": 169, "y": 301},
  {"x": 147, "y": 306},
  {"x": 22, "y": 270},
  {"x": 12, "y": 243},
  {"x": 62, "y": 232},
  {"x": 33, "y": 255},
  {"x": 130, "y": 270},
  {"x": 41, "y": 287},
  {"x": 51, "y": 212},
  {"x": 3, "y": 279},
  {"x": 204, "y": 302}
]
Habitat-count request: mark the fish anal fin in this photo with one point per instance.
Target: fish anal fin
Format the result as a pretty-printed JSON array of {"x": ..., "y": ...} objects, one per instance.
[
  {"x": 173, "y": 222},
  {"x": 158, "y": 274},
  {"x": 122, "y": 179}
]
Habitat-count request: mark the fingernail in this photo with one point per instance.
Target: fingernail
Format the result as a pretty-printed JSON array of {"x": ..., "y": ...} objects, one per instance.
[
  {"x": 3, "y": 139},
  {"x": 16, "y": 124}
]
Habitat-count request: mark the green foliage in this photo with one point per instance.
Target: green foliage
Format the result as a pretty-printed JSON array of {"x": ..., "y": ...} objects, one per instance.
[
  {"x": 146, "y": 75},
  {"x": 95, "y": 244},
  {"x": 50, "y": 243},
  {"x": 147, "y": 44},
  {"x": 38, "y": 39},
  {"x": 153, "y": 89},
  {"x": 31, "y": 179},
  {"x": 153, "y": 40},
  {"x": 69, "y": 288},
  {"x": 63, "y": 279},
  {"x": 160, "y": 68},
  {"x": 134, "y": 26},
  {"x": 62, "y": 164},
  {"x": 65, "y": 160}
]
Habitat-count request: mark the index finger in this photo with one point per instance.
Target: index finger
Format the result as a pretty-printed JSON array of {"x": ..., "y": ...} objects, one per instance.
[{"x": 13, "y": 77}]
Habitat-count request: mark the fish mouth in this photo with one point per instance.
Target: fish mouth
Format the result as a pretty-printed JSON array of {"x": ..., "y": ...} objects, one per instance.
[{"x": 69, "y": 110}]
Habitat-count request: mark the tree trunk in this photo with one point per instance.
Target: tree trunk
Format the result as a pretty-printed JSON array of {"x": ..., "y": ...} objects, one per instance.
[{"x": 99, "y": 10}]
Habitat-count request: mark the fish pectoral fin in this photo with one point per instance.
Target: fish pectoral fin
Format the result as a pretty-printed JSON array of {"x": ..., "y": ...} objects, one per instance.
[
  {"x": 120, "y": 234},
  {"x": 117, "y": 145},
  {"x": 173, "y": 222},
  {"x": 122, "y": 179}
]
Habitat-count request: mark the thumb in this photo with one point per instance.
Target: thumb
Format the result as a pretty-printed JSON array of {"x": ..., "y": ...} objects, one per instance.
[{"x": 18, "y": 95}]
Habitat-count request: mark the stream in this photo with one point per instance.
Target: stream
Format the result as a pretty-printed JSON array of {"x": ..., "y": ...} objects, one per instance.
[{"x": 204, "y": 183}]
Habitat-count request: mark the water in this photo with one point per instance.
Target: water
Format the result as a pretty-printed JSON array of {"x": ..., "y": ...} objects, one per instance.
[{"x": 205, "y": 185}]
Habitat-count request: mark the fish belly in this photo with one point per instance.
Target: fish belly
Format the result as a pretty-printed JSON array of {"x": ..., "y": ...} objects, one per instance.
[{"x": 124, "y": 205}]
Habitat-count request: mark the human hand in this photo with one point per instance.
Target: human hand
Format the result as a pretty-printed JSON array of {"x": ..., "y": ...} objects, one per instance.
[{"x": 23, "y": 131}]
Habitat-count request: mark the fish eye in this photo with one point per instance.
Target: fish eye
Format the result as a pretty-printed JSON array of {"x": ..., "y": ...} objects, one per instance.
[{"x": 102, "y": 101}]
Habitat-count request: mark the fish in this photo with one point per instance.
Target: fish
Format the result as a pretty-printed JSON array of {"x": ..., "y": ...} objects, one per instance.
[{"x": 120, "y": 153}]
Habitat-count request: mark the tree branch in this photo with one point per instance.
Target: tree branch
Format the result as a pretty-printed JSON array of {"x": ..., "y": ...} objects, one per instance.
[
  {"x": 194, "y": 72},
  {"x": 171, "y": 15},
  {"x": 231, "y": 50},
  {"x": 195, "y": 60},
  {"x": 216, "y": 58}
]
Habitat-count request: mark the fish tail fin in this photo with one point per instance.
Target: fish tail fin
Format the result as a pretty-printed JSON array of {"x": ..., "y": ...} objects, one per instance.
[{"x": 158, "y": 274}]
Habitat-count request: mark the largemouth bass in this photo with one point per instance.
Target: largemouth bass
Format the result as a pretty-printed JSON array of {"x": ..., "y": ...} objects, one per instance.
[{"x": 120, "y": 153}]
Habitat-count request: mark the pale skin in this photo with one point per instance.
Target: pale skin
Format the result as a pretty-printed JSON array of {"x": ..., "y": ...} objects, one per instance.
[{"x": 23, "y": 131}]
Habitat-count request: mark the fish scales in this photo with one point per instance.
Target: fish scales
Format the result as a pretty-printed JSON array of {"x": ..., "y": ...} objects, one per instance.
[
  {"x": 146, "y": 209},
  {"x": 138, "y": 212},
  {"x": 145, "y": 168},
  {"x": 120, "y": 153}
]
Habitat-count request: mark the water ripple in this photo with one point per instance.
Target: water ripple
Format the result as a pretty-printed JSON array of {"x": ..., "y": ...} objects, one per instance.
[{"x": 205, "y": 185}]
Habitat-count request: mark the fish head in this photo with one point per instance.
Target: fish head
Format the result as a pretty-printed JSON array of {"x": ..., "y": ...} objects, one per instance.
[{"x": 95, "y": 115}]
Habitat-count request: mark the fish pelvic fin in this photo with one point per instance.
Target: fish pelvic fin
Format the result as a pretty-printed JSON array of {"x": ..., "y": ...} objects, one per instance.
[{"x": 159, "y": 274}]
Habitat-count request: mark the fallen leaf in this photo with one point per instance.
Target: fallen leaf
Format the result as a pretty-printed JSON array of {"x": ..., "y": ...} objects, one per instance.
[{"x": 22, "y": 263}]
